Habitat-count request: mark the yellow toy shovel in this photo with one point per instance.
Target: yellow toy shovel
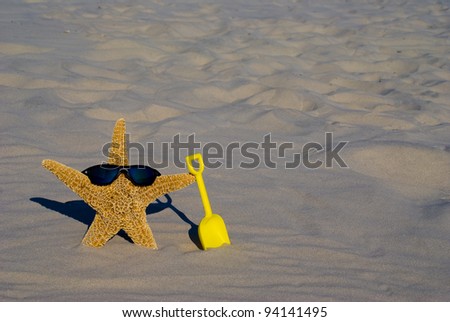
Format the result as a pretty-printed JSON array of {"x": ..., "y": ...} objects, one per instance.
[{"x": 211, "y": 231}]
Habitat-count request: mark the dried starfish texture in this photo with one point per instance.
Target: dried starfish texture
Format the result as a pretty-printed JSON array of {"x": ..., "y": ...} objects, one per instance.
[
  {"x": 117, "y": 152},
  {"x": 120, "y": 205}
]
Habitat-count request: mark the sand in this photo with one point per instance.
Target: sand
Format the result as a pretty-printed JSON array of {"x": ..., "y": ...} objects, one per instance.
[{"x": 373, "y": 73}]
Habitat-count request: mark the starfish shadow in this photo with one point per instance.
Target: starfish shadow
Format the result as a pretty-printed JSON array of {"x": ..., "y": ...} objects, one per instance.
[
  {"x": 82, "y": 212},
  {"x": 76, "y": 209}
]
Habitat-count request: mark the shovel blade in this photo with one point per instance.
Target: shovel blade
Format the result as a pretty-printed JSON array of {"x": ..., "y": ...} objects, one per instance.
[{"x": 213, "y": 232}]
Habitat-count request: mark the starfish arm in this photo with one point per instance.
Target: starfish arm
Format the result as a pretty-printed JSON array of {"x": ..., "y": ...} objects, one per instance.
[
  {"x": 139, "y": 231},
  {"x": 166, "y": 184},
  {"x": 118, "y": 153},
  {"x": 99, "y": 232},
  {"x": 74, "y": 179}
]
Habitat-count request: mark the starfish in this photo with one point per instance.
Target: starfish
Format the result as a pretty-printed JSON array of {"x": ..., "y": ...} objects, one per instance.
[{"x": 121, "y": 204}]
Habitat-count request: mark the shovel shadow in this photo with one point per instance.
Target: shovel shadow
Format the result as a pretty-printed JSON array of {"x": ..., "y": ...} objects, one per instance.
[
  {"x": 82, "y": 212},
  {"x": 193, "y": 231}
]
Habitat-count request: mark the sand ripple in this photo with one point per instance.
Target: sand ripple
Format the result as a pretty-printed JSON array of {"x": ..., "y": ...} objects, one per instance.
[{"x": 374, "y": 73}]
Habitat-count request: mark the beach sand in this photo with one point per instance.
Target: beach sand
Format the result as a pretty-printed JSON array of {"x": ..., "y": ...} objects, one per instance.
[{"x": 375, "y": 74}]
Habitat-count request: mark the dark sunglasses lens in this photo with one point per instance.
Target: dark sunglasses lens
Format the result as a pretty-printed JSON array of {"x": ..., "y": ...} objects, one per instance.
[
  {"x": 143, "y": 175},
  {"x": 102, "y": 174}
]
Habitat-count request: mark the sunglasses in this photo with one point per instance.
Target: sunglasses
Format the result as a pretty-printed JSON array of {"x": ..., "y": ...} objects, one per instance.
[{"x": 105, "y": 174}]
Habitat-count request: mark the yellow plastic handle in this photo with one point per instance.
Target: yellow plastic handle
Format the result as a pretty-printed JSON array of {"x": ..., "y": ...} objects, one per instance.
[
  {"x": 198, "y": 157},
  {"x": 199, "y": 179}
]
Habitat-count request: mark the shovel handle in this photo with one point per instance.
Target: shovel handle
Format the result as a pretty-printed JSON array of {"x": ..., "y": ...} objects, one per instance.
[{"x": 199, "y": 179}]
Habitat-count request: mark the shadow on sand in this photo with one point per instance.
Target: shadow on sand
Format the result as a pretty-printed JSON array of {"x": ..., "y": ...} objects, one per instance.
[{"x": 81, "y": 211}]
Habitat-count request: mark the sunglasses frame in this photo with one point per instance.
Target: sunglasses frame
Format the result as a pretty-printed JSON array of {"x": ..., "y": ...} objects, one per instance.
[{"x": 120, "y": 169}]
